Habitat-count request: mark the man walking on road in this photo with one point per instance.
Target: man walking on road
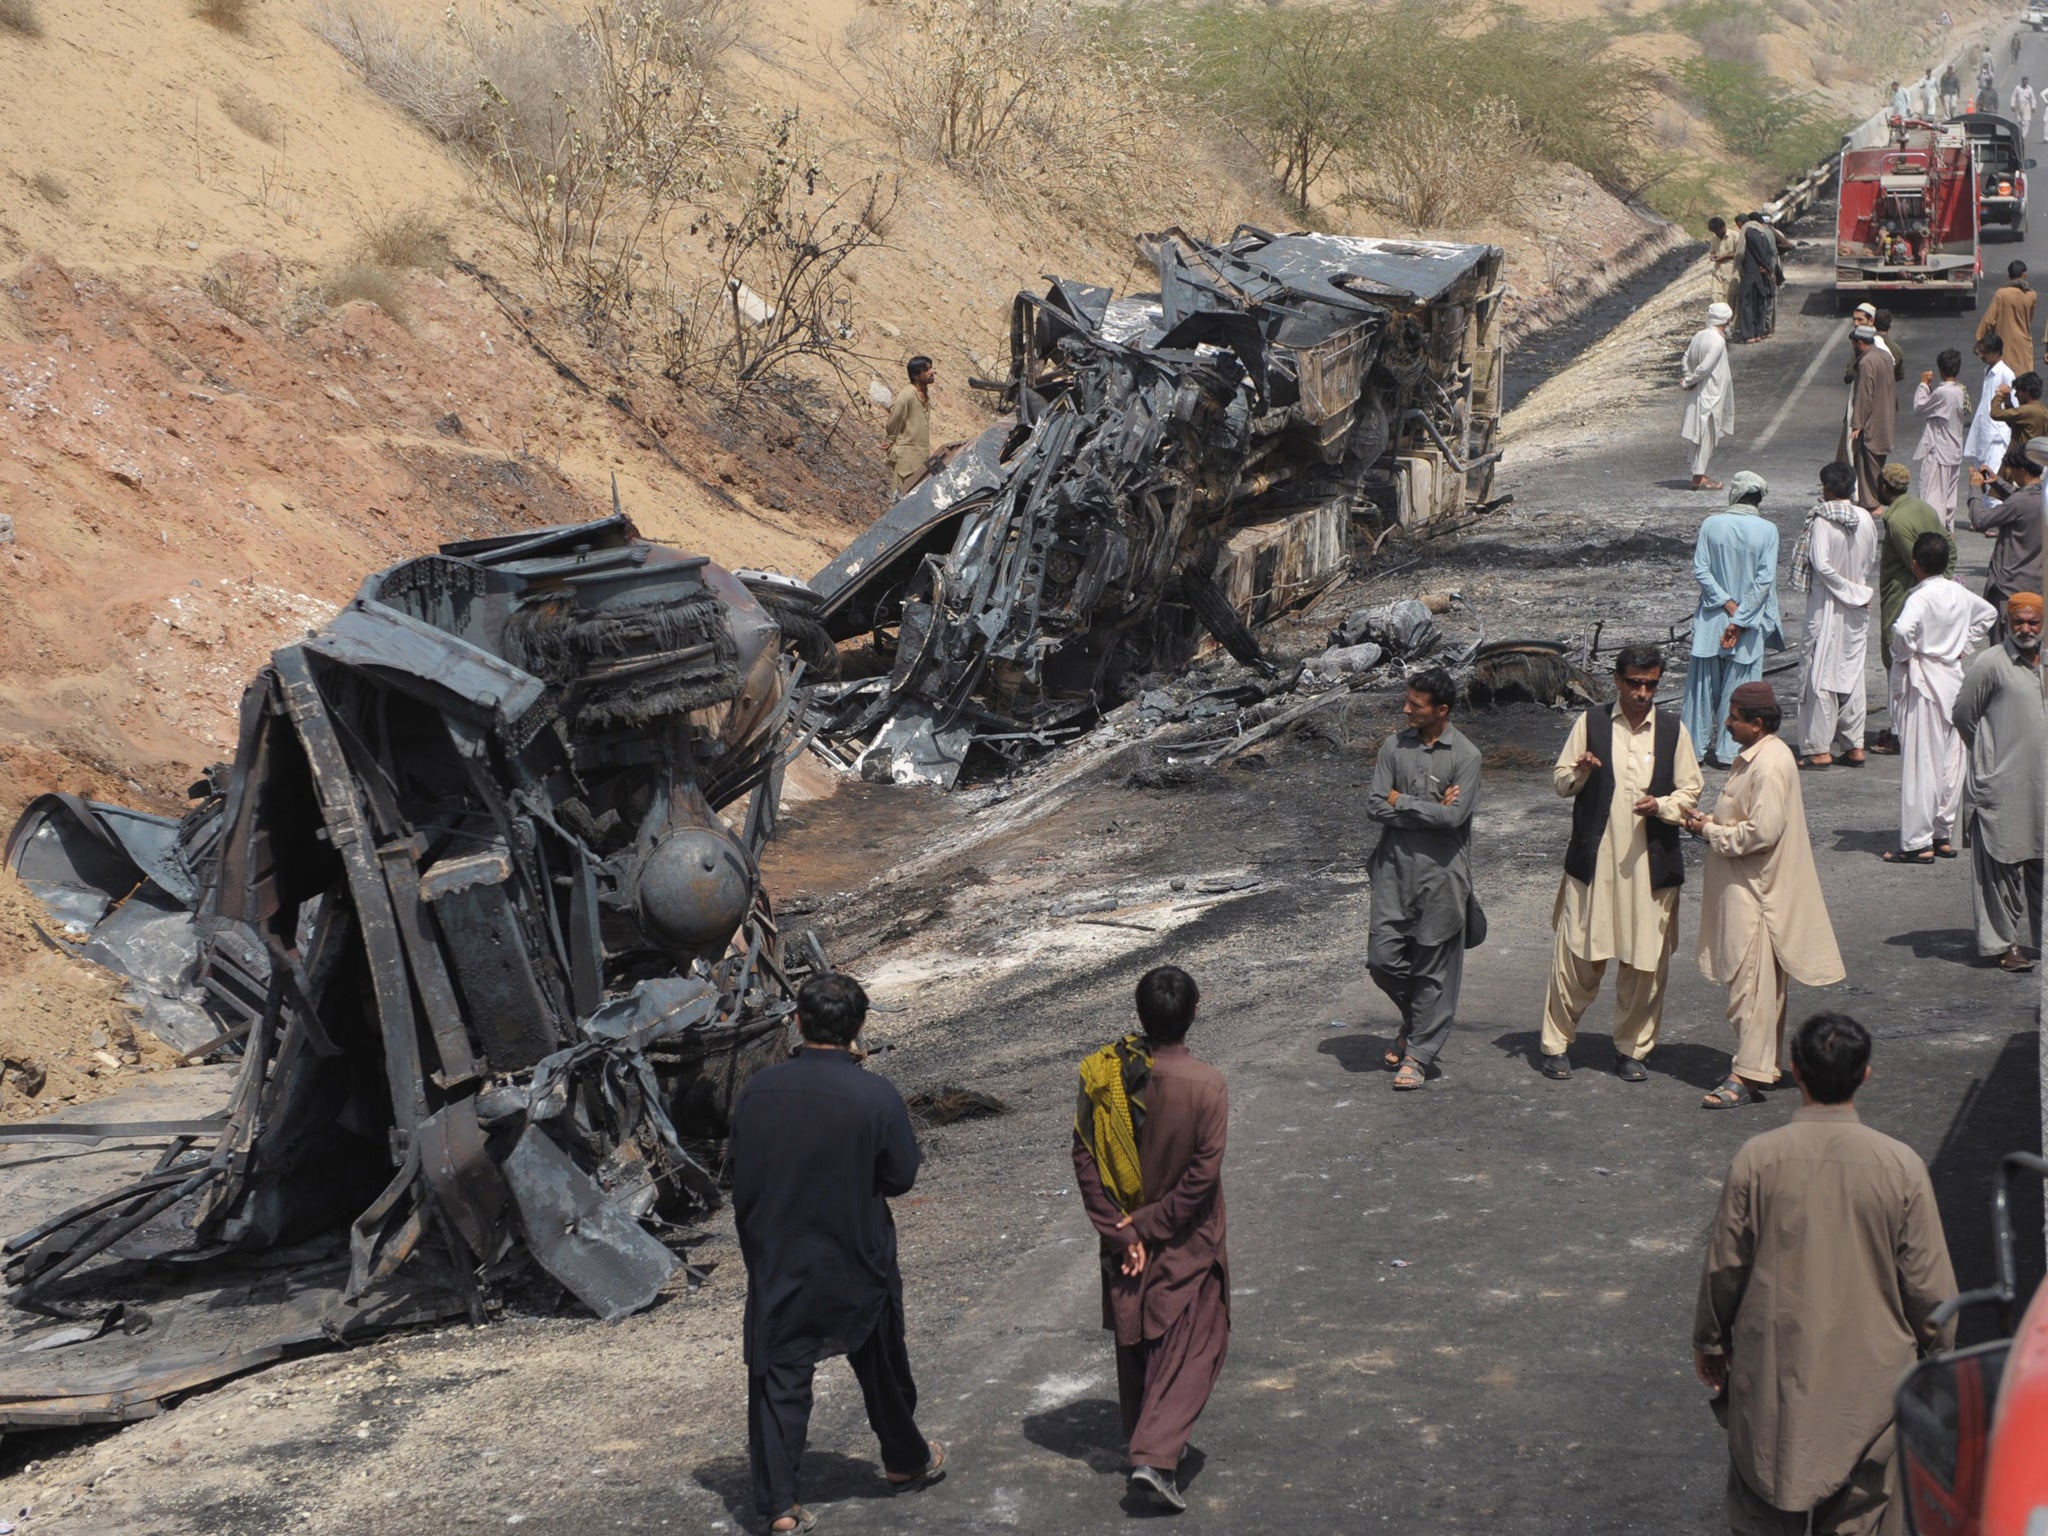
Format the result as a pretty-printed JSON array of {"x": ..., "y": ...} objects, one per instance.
[
  {"x": 1825, "y": 1263},
  {"x": 1944, "y": 408},
  {"x": 2011, "y": 314},
  {"x": 2014, "y": 523},
  {"x": 1873, "y": 411},
  {"x": 910, "y": 425},
  {"x": 2022, "y": 102},
  {"x": 1940, "y": 624},
  {"x": 1425, "y": 787},
  {"x": 1631, "y": 776},
  {"x": 1762, "y": 916},
  {"x": 1985, "y": 446},
  {"x": 1951, "y": 91},
  {"x": 1998, "y": 714},
  {"x": 1148, "y": 1160},
  {"x": 1709, "y": 384},
  {"x": 819, "y": 1146},
  {"x": 1836, "y": 560},
  {"x": 1735, "y": 562}
]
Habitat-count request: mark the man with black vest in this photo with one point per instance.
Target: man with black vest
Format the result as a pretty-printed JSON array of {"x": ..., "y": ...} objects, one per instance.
[{"x": 1631, "y": 775}]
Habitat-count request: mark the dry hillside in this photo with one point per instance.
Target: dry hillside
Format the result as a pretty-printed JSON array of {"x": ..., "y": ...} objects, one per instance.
[{"x": 262, "y": 331}]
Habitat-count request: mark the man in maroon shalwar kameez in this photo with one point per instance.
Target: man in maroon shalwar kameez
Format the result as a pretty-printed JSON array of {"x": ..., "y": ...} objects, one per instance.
[{"x": 1165, "y": 1275}]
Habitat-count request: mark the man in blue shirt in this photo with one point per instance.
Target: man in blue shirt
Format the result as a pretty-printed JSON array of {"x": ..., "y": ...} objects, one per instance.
[{"x": 1736, "y": 565}]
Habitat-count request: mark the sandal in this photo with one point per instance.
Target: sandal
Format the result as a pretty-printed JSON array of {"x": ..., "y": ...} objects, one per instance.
[
  {"x": 2012, "y": 960},
  {"x": 1856, "y": 760},
  {"x": 1908, "y": 856},
  {"x": 1396, "y": 1053},
  {"x": 1732, "y": 1094},
  {"x": 1410, "y": 1076},
  {"x": 934, "y": 1470},
  {"x": 799, "y": 1518},
  {"x": 1945, "y": 850},
  {"x": 1816, "y": 761}
]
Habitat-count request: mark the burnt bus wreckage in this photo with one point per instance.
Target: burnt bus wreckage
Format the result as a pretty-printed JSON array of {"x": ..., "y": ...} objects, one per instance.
[
  {"x": 495, "y": 961},
  {"x": 1190, "y": 460}
]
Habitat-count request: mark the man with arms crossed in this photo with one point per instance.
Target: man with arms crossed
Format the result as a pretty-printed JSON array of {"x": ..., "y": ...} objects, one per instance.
[{"x": 1631, "y": 776}]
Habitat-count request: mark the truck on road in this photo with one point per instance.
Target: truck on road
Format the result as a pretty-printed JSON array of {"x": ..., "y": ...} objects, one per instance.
[{"x": 1906, "y": 215}]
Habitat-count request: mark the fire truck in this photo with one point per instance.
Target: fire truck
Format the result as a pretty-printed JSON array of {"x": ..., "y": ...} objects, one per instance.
[{"x": 1906, "y": 217}]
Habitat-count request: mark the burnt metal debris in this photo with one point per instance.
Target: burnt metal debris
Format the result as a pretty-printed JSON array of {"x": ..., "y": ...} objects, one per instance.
[
  {"x": 1188, "y": 460},
  {"x": 494, "y": 961}
]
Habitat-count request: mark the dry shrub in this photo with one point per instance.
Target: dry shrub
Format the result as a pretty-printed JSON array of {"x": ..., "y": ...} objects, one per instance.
[
  {"x": 774, "y": 290},
  {"x": 1733, "y": 41},
  {"x": 232, "y": 291},
  {"x": 20, "y": 18},
  {"x": 694, "y": 33},
  {"x": 49, "y": 187},
  {"x": 367, "y": 281},
  {"x": 405, "y": 239},
  {"x": 1013, "y": 92},
  {"x": 1446, "y": 160},
  {"x": 254, "y": 117},
  {"x": 431, "y": 77},
  {"x": 236, "y": 16}
]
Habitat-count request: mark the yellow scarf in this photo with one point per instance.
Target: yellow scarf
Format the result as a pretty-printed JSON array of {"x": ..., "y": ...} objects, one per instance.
[{"x": 1110, "y": 1113}]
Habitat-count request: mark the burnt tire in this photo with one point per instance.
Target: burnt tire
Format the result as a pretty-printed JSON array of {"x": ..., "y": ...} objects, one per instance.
[
  {"x": 1219, "y": 618},
  {"x": 808, "y": 640}
]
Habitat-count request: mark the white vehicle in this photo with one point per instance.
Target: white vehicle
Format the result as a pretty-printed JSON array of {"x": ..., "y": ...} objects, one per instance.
[{"x": 2037, "y": 16}]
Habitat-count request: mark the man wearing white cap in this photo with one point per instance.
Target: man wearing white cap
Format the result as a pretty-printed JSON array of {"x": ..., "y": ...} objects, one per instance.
[{"x": 1709, "y": 384}]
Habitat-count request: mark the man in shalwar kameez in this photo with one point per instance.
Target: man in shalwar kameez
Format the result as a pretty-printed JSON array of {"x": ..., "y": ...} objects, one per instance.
[
  {"x": 1840, "y": 559},
  {"x": 1709, "y": 384},
  {"x": 1735, "y": 562},
  {"x": 1757, "y": 272},
  {"x": 1825, "y": 1267},
  {"x": 1941, "y": 623},
  {"x": 1945, "y": 409},
  {"x": 1873, "y": 411},
  {"x": 1762, "y": 916},
  {"x": 1631, "y": 776},
  {"x": 1165, "y": 1272},
  {"x": 1999, "y": 716},
  {"x": 1984, "y": 446}
]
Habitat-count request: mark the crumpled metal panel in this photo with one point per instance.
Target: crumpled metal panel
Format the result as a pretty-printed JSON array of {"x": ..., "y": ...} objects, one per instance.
[{"x": 605, "y": 1258}]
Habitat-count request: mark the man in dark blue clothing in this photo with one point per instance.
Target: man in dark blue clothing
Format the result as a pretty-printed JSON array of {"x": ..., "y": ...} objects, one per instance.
[{"x": 818, "y": 1148}]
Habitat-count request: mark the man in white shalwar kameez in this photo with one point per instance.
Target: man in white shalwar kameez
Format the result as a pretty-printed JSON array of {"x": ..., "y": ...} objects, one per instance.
[
  {"x": 1945, "y": 408},
  {"x": 1841, "y": 556},
  {"x": 1986, "y": 444},
  {"x": 1942, "y": 622},
  {"x": 1709, "y": 384}
]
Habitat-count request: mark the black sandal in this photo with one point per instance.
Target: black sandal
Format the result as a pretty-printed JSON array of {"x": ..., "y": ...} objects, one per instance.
[
  {"x": 1909, "y": 856},
  {"x": 1945, "y": 850},
  {"x": 1732, "y": 1094}
]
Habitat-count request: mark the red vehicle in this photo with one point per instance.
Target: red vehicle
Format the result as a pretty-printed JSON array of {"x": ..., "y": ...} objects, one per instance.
[
  {"x": 1973, "y": 1423},
  {"x": 1906, "y": 216},
  {"x": 2002, "y": 166}
]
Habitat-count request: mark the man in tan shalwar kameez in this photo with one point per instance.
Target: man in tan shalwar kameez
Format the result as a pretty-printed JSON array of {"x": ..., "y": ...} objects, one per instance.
[
  {"x": 1630, "y": 772},
  {"x": 1824, "y": 1266},
  {"x": 910, "y": 426},
  {"x": 1762, "y": 916}
]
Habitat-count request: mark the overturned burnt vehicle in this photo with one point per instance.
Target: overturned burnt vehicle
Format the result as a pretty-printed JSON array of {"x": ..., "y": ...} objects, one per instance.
[
  {"x": 1194, "y": 459},
  {"x": 494, "y": 961}
]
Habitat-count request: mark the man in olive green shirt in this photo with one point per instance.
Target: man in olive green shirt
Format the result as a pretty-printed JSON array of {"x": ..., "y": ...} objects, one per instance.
[
  {"x": 910, "y": 426},
  {"x": 1904, "y": 519}
]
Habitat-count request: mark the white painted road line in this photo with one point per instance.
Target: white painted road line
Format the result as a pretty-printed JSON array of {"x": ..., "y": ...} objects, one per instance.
[{"x": 1832, "y": 347}]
